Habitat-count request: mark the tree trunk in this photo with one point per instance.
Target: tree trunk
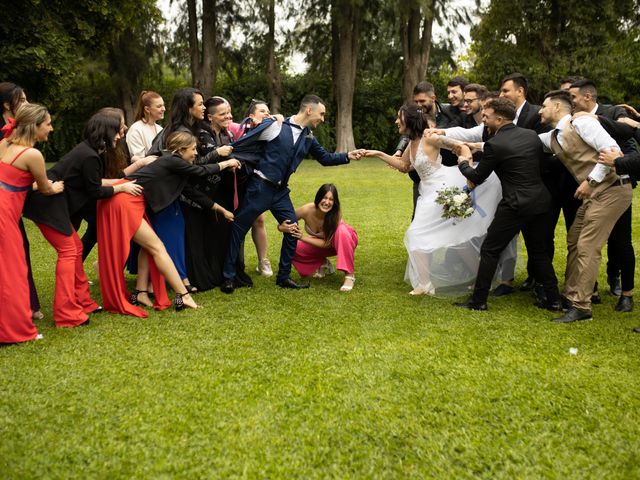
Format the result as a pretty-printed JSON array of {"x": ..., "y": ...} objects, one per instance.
[
  {"x": 203, "y": 53},
  {"x": 345, "y": 32},
  {"x": 415, "y": 31},
  {"x": 274, "y": 80}
]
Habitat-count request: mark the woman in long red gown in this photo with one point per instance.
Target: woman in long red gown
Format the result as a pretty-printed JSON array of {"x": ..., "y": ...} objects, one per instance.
[{"x": 20, "y": 164}]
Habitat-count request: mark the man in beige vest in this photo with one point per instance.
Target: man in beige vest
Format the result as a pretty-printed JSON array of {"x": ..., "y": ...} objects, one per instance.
[{"x": 605, "y": 196}]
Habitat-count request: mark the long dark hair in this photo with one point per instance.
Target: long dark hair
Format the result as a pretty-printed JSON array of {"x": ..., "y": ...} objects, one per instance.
[
  {"x": 182, "y": 102},
  {"x": 416, "y": 118},
  {"x": 11, "y": 94},
  {"x": 99, "y": 132},
  {"x": 331, "y": 218},
  {"x": 101, "y": 129}
]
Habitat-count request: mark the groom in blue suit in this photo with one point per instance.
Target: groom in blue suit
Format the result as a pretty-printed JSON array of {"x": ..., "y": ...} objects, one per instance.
[{"x": 285, "y": 147}]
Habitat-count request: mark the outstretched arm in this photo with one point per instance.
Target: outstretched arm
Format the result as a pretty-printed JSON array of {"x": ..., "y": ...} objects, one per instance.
[
  {"x": 400, "y": 163},
  {"x": 440, "y": 141}
]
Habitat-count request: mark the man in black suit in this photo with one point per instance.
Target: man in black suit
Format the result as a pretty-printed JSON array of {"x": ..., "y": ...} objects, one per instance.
[
  {"x": 515, "y": 87},
  {"x": 516, "y": 155}
]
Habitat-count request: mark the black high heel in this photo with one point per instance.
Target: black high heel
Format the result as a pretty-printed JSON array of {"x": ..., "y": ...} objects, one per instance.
[
  {"x": 133, "y": 298},
  {"x": 180, "y": 302}
]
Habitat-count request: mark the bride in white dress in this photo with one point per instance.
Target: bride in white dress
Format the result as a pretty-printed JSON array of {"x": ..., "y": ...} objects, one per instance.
[{"x": 444, "y": 254}]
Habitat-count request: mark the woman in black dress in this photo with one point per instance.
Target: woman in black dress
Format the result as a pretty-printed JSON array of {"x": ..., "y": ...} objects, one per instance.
[{"x": 208, "y": 203}]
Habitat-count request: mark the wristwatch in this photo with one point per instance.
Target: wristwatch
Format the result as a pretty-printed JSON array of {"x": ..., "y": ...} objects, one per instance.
[{"x": 592, "y": 182}]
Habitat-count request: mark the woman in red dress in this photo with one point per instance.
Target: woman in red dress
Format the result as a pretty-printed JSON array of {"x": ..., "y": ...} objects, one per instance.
[
  {"x": 20, "y": 164},
  {"x": 122, "y": 218}
]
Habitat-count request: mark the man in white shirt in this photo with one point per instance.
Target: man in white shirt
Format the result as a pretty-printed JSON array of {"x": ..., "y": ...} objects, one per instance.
[{"x": 605, "y": 196}]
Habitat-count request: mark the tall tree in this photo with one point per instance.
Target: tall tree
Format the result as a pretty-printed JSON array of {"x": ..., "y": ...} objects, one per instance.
[
  {"x": 346, "y": 18},
  {"x": 416, "y": 29},
  {"x": 274, "y": 78},
  {"x": 131, "y": 49},
  {"x": 203, "y": 49}
]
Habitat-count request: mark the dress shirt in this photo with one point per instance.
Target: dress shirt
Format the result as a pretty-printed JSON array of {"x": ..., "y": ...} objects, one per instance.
[
  {"x": 271, "y": 132},
  {"x": 462, "y": 134},
  {"x": 518, "y": 110},
  {"x": 592, "y": 133}
]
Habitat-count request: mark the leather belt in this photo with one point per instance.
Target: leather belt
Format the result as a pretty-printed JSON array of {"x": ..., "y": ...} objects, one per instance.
[
  {"x": 621, "y": 181},
  {"x": 266, "y": 179}
]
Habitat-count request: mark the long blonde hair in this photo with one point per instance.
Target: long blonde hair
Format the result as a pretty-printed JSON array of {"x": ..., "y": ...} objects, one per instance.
[{"x": 28, "y": 118}]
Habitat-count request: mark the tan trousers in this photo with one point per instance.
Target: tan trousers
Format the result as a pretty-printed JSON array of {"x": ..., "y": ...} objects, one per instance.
[{"x": 586, "y": 237}]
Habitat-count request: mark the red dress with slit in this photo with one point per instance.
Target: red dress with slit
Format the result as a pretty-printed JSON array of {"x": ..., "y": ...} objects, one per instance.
[
  {"x": 15, "y": 309},
  {"x": 118, "y": 219}
]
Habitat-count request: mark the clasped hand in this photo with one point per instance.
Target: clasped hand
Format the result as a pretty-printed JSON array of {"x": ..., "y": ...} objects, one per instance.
[
  {"x": 608, "y": 156},
  {"x": 356, "y": 154},
  {"x": 291, "y": 228}
]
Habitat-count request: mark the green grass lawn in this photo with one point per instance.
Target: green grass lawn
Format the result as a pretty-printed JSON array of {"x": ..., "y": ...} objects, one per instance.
[{"x": 272, "y": 383}]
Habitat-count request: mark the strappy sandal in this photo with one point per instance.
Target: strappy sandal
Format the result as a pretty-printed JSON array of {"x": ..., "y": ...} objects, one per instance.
[
  {"x": 133, "y": 298},
  {"x": 348, "y": 288},
  {"x": 179, "y": 302}
]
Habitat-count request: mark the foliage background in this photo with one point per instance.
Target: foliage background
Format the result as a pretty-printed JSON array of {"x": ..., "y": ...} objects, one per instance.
[{"x": 78, "y": 57}]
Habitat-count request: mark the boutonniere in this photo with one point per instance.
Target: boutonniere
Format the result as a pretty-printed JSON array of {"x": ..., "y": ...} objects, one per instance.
[{"x": 309, "y": 136}]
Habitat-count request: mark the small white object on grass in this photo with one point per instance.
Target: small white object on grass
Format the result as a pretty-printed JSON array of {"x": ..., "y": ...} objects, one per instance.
[{"x": 573, "y": 351}]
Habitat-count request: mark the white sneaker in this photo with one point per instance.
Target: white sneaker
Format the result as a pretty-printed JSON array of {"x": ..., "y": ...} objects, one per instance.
[{"x": 264, "y": 268}]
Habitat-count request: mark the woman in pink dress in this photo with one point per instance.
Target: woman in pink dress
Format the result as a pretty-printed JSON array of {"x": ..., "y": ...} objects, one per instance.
[
  {"x": 20, "y": 165},
  {"x": 325, "y": 235}
]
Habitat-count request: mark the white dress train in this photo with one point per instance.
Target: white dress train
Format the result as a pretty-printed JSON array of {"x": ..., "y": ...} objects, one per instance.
[{"x": 444, "y": 254}]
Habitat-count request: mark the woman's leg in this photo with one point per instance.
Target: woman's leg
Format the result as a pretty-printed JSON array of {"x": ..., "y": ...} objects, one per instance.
[
  {"x": 142, "y": 280},
  {"x": 147, "y": 239},
  {"x": 259, "y": 236}
]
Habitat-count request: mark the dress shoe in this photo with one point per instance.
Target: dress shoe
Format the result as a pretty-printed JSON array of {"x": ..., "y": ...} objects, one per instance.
[
  {"x": 615, "y": 287},
  {"x": 595, "y": 298},
  {"x": 573, "y": 315},
  {"x": 528, "y": 284},
  {"x": 98, "y": 310},
  {"x": 551, "y": 306},
  {"x": 241, "y": 283},
  {"x": 502, "y": 290},
  {"x": 539, "y": 293},
  {"x": 625, "y": 304},
  {"x": 85, "y": 323},
  {"x": 566, "y": 303},
  {"x": 227, "y": 286},
  {"x": 289, "y": 283},
  {"x": 636, "y": 330},
  {"x": 470, "y": 304}
]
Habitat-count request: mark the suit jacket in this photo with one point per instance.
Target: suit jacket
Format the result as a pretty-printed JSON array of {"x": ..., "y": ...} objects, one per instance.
[
  {"x": 282, "y": 157},
  {"x": 530, "y": 118},
  {"x": 613, "y": 112},
  {"x": 515, "y": 154},
  {"x": 164, "y": 179}
]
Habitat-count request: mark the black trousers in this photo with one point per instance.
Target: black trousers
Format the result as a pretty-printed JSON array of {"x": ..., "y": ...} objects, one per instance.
[
  {"x": 506, "y": 224},
  {"x": 622, "y": 257},
  {"x": 563, "y": 200}
]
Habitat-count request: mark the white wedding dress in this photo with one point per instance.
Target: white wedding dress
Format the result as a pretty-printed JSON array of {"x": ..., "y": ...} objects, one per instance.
[{"x": 444, "y": 254}]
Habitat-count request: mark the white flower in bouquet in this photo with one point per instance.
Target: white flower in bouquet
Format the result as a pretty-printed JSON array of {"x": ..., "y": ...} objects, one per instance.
[
  {"x": 459, "y": 199},
  {"x": 456, "y": 204}
]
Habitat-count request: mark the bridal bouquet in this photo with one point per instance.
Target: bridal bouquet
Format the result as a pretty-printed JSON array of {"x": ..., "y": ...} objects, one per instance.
[{"x": 456, "y": 203}]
